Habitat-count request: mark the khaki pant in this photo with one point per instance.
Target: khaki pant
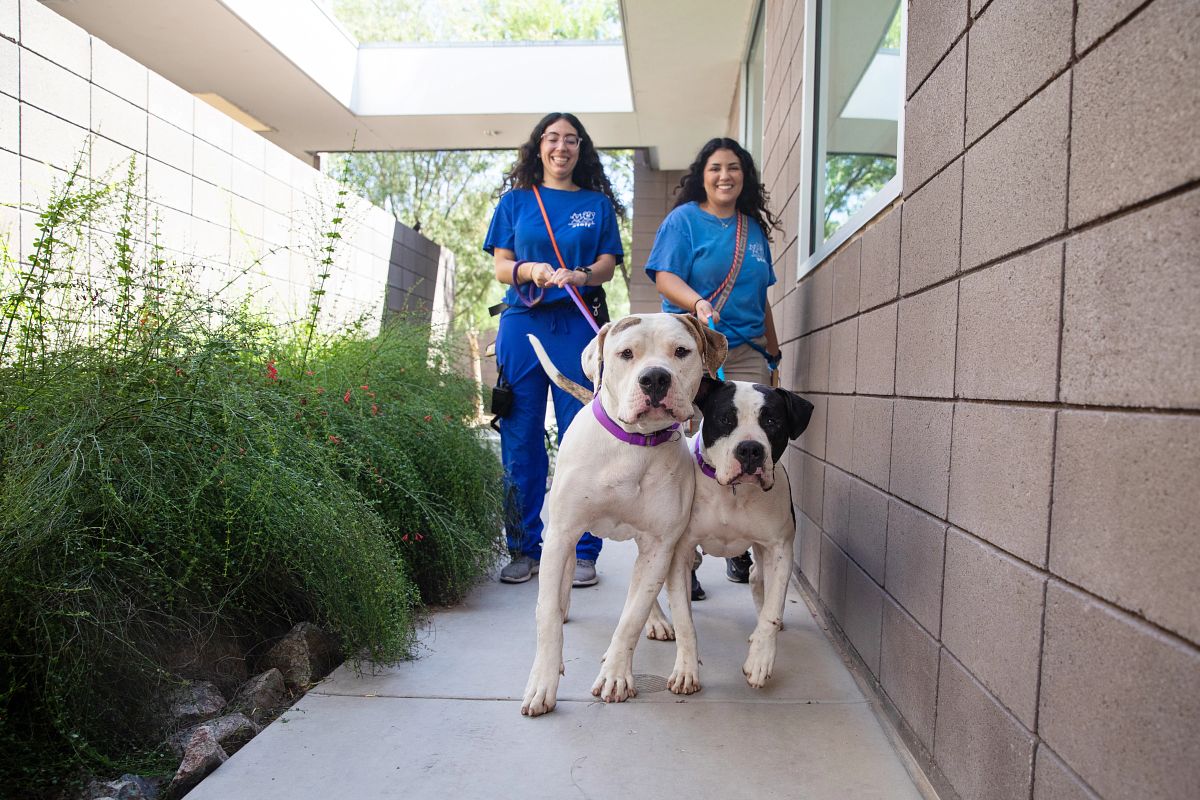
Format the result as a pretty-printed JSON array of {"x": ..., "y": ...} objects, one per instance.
[{"x": 744, "y": 363}]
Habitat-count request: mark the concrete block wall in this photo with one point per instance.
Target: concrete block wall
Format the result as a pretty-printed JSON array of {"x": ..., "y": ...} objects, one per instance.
[
  {"x": 222, "y": 195},
  {"x": 653, "y": 198},
  {"x": 997, "y": 496}
]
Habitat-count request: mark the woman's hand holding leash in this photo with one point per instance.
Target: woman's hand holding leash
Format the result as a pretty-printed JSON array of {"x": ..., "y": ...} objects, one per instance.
[
  {"x": 568, "y": 277},
  {"x": 705, "y": 312}
]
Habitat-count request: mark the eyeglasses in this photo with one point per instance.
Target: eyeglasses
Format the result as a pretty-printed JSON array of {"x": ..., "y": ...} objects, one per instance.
[{"x": 570, "y": 140}]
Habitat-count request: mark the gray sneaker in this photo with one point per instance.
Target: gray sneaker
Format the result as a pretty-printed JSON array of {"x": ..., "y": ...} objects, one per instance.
[
  {"x": 519, "y": 570},
  {"x": 585, "y": 573}
]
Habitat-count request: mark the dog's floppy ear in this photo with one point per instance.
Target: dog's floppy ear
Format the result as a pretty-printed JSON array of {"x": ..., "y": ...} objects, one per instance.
[
  {"x": 799, "y": 412},
  {"x": 713, "y": 345},
  {"x": 593, "y": 356}
]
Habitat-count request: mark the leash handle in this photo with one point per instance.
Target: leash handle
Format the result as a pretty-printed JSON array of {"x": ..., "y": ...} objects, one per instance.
[
  {"x": 533, "y": 299},
  {"x": 571, "y": 290},
  {"x": 721, "y": 369}
]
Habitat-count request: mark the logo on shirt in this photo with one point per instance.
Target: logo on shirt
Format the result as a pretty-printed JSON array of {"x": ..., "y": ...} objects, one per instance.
[
  {"x": 583, "y": 219},
  {"x": 757, "y": 251}
]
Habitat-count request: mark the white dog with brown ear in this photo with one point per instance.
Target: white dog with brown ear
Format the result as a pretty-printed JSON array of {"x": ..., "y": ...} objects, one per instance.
[{"x": 623, "y": 472}]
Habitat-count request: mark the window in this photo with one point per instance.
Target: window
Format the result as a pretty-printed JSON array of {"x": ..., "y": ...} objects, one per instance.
[
  {"x": 752, "y": 112},
  {"x": 855, "y": 100}
]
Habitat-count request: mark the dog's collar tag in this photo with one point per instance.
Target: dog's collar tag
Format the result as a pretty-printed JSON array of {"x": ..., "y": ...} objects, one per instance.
[
  {"x": 638, "y": 439},
  {"x": 704, "y": 467}
]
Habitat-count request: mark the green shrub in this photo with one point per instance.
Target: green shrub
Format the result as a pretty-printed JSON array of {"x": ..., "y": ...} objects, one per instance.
[{"x": 173, "y": 467}]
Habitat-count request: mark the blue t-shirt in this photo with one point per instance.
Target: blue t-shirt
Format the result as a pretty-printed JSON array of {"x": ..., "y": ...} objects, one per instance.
[
  {"x": 698, "y": 247},
  {"x": 585, "y": 227}
]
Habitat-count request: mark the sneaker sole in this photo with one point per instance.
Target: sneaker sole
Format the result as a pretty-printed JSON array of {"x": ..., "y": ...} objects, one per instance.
[
  {"x": 532, "y": 572},
  {"x": 592, "y": 582}
]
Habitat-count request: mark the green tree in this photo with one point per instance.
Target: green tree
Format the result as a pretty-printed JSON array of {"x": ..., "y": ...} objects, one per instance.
[
  {"x": 447, "y": 196},
  {"x": 851, "y": 180},
  {"x": 478, "y": 20}
]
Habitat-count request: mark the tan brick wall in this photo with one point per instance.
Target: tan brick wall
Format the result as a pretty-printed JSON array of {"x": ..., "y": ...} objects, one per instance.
[
  {"x": 653, "y": 198},
  {"x": 997, "y": 496}
]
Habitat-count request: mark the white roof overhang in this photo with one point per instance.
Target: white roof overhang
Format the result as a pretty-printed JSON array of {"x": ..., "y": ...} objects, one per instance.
[{"x": 669, "y": 86}]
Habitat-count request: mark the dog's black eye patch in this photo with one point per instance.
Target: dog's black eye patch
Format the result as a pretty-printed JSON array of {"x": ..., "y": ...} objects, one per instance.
[
  {"x": 720, "y": 412},
  {"x": 771, "y": 419}
]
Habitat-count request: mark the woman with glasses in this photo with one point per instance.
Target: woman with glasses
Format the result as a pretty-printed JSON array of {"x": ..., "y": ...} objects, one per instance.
[
  {"x": 721, "y": 217},
  {"x": 559, "y": 170}
]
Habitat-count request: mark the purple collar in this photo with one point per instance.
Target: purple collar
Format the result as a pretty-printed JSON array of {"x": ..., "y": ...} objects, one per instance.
[
  {"x": 704, "y": 467},
  {"x": 639, "y": 439}
]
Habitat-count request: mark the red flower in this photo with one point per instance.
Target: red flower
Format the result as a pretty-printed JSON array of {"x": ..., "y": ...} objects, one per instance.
[
  {"x": 346, "y": 397},
  {"x": 308, "y": 372},
  {"x": 365, "y": 388},
  {"x": 419, "y": 537},
  {"x": 272, "y": 373},
  {"x": 334, "y": 440},
  {"x": 428, "y": 418},
  {"x": 374, "y": 408},
  {"x": 404, "y": 538}
]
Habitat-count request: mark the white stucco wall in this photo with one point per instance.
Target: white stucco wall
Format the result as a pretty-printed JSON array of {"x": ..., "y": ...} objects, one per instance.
[{"x": 223, "y": 194}]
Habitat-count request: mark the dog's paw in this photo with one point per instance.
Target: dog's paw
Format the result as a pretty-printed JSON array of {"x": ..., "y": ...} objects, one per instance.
[
  {"x": 660, "y": 629},
  {"x": 614, "y": 686},
  {"x": 684, "y": 680},
  {"x": 759, "y": 663},
  {"x": 541, "y": 695},
  {"x": 537, "y": 701}
]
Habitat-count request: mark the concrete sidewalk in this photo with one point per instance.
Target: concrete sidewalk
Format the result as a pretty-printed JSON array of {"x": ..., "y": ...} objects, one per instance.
[{"x": 448, "y": 725}]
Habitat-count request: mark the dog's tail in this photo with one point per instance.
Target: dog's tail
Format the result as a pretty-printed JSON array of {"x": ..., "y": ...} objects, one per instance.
[{"x": 566, "y": 384}]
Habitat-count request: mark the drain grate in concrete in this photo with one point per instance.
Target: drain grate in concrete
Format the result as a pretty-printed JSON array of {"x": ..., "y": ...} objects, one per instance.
[{"x": 649, "y": 684}]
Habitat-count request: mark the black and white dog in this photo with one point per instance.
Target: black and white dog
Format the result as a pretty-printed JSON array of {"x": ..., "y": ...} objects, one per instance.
[{"x": 743, "y": 500}]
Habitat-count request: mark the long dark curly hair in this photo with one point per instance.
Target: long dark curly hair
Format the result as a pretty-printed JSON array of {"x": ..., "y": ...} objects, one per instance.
[
  {"x": 588, "y": 174},
  {"x": 752, "y": 201}
]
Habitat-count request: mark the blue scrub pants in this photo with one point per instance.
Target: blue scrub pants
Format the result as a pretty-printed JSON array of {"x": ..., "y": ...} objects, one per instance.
[{"x": 564, "y": 333}]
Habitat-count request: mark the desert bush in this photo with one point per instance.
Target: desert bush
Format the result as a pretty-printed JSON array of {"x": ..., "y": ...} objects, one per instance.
[{"x": 173, "y": 464}]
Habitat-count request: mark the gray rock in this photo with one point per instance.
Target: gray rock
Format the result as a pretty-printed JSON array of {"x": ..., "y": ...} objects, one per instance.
[
  {"x": 231, "y": 731},
  {"x": 261, "y": 696},
  {"x": 202, "y": 755},
  {"x": 304, "y": 655},
  {"x": 126, "y": 787},
  {"x": 195, "y": 702}
]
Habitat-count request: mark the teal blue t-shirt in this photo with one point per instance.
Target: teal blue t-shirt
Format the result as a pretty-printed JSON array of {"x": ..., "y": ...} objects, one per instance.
[
  {"x": 585, "y": 227},
  {"x": 698, "y": 247}
]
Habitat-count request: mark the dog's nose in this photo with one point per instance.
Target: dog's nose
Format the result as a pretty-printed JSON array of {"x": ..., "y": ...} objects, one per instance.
[
  {"x": 749, "y": 455},
  {"x": 655, "y": 382}
]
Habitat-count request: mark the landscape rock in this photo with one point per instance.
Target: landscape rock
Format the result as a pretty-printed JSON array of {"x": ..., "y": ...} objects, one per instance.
[
  {"x": 202, "y": 755},
  {"x": 231, "y": 731},
  {"x": 195, "y": 702},
  {"x": 262, "y": 695},
  {"x": 304, "y": 655}
]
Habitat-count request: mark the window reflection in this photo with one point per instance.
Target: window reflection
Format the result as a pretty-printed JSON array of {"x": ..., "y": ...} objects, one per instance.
[{"x": 860, "y": 80}]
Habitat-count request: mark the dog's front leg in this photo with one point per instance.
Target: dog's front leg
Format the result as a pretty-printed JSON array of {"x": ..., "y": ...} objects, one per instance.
[
  {"x": 541, "y": 692},
  {"x": 773, "y": 566},
  {"x": 614, "y": 684},
  {"x": 685, "y": 676}
]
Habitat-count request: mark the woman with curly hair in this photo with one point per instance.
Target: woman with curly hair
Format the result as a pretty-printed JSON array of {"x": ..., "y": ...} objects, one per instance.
[
  {"x": 721, "y": 218},
  {"x": 558, "y": 169}
]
